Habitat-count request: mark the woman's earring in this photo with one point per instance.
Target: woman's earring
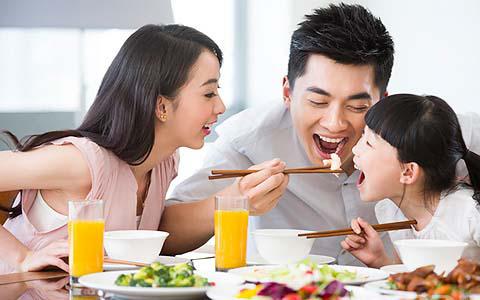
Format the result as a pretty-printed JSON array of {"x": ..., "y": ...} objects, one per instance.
[{"x": 163, "y": 115}]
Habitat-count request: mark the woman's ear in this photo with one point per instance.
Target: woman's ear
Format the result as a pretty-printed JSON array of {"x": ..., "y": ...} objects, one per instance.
[
  {"x": 410, "y": 173},
  {"x": 161, "y": 109},
  {"x": 286, "y": 92}
]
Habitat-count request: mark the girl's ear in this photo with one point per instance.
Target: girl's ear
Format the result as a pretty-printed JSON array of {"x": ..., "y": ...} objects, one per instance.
[{"x": 410, "y": 173}]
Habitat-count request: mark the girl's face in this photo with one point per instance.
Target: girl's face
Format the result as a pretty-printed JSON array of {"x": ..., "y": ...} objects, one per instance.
[
  {"x": 191, "y": 115},
  {"x": 380, "y": 168}
]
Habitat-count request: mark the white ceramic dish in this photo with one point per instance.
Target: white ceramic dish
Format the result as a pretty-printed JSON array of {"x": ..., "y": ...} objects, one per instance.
[
  {"x": 279, "y": 246},
  {"x": 106, "y": 282},
  {"x": 166, "y": 260},
  {"x": 392, "y": 269},
  {"x": 257, "y": 273},
  {"x": 318, "y": 259},
  {"x": 134, "y": 245},
  {"x": 443, "y": 254}
]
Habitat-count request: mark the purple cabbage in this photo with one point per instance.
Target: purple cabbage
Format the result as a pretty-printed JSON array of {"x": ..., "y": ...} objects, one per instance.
[
  {"x": 334, "y": 288},
  {"x": 275, "y": 290}
]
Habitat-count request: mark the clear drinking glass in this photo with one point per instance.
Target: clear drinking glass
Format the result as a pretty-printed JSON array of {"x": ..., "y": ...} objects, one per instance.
[
  {"x": 231, "y": 229},
  {"x": 86, "y": 226}
]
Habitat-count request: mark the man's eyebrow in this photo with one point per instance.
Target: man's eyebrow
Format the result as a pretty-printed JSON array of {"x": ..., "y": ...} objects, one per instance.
[
  {"x": 359, "y": 96},
  {"x": 318, "y": 90},
  {"x": 210, "y": 81}
]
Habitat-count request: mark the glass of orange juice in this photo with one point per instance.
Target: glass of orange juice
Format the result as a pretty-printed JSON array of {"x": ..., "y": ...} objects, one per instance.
[
  {"x": 85, "y": 237},
  {"x": 231, "y": 228}
]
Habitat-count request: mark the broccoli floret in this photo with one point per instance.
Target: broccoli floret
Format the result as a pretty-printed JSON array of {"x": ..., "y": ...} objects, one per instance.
[
  {"x": 182, "y": 282},
  {"x": 199, "y": 281},
  {"x": 181, "y": 270},
  {"x": 145, "y": 282},
  {"x": 143, "y": 273},
  {"x": 123, "y": 280}
]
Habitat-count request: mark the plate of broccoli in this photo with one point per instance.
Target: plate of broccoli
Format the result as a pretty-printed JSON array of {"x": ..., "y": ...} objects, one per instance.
[{"x": 158, "y": 280}]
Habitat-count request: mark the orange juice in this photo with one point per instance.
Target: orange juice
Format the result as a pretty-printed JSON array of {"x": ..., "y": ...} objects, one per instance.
[
  {"x": 86, "y": 246},
  {"x": 231, "y": 227}
]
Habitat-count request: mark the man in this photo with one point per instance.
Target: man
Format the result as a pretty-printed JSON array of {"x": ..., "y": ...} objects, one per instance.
[{"x": 340, "y": 62}]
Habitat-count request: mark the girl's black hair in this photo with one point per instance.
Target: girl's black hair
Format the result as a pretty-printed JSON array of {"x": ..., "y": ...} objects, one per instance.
[
  {"x": 154, "y": 61},
  {"x": 425, "y": 130}
]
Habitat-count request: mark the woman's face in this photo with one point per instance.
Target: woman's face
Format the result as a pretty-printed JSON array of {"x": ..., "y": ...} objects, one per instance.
[
  {"x": 380, "y": 168},
  {"x": 191, "y": 115}
]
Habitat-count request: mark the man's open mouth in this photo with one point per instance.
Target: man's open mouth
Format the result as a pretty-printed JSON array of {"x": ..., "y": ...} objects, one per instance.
[{"x": 329, "y": 145}]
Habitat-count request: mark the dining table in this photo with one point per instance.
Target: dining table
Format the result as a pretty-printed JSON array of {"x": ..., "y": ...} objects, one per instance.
[{"x": 58, "y": 288}]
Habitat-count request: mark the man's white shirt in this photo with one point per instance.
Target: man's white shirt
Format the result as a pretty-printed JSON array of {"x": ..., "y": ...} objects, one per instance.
[{"x": 311, "y": 201}]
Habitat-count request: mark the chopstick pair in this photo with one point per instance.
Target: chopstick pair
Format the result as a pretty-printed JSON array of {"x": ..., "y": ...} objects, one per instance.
[
  {"x": 124, "y": 262},
  {"x": 221, "y": 174},
  {"x": 347, "y": 231},
  {"x": 345, "y": 167}
]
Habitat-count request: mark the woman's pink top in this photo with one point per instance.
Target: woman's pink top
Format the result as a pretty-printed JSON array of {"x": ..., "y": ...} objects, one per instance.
[{"x": 113, "y": 182}]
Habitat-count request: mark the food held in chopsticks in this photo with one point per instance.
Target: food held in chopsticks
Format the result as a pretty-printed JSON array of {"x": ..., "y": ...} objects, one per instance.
[
  {"x": 463, "y": 280},
  {"x": 334, "y": 162},
  {"x": 159, "y": 275}
]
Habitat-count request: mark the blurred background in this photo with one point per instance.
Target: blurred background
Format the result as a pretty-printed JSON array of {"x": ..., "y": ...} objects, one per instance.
[{"x": 54, "y": 53}]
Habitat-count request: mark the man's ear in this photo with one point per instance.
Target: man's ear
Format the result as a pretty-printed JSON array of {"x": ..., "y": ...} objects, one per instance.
[
  {"x": 286, "y": 92},
  {"x": 410, "y": 173}
]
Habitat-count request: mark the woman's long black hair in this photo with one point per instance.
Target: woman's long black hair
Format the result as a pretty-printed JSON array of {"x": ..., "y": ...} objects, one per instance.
[
  {"x": 154, "y": 61},
  {"x": 425, "y": 130}
]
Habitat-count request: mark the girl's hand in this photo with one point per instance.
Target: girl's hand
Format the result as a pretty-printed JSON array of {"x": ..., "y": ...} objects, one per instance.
[
  {"x": 263, "y": 188},
  {"x": 366, "y": 244},
  {"x": 51, "y": 255}
]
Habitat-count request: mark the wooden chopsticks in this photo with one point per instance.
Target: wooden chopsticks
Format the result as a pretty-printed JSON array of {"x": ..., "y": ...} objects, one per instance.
[
  {"x": 347, "y": 231},
  {"x": 221, "y": 174},
  {"x": 123, "y": 262}
]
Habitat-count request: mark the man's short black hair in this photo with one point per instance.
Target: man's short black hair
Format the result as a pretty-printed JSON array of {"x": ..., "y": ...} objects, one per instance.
[{"x": 348, "y": 34}]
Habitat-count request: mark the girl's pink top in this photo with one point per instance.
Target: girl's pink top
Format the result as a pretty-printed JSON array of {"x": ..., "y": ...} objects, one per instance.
[{"x": 113, "y": 182}]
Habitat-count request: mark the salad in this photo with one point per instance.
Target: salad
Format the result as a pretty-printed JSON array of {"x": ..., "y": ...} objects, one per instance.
[
  {"x": 298, "y": 275},
  {"x": 305, "y": 280},
  {"x": 159, "y": 275},
  {"x": 278, "y": 291}
]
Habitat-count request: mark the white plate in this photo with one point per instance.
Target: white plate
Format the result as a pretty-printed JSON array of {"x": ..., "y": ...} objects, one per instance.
[
  {"x": 392, "y": 269},
  {"x": 106, "y": 282},
  {"x": 363, "y": 274},
  {"x": 166, "y": 260},
  {"x": 382, "y": 288},
  {"x": 219, "y": 293},
  {"x": 318, "y": 259}
]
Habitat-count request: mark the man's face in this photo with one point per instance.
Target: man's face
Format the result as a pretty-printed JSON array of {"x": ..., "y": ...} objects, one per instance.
[{"x": 328, "y": 104}]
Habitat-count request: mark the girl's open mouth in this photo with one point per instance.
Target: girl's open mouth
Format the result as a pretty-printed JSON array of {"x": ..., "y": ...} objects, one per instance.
[{"x": 361, "y": 178}]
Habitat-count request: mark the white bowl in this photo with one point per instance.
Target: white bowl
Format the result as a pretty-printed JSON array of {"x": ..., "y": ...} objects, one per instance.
[
  {"x": 134, "y": 245},
  {"x": 441, "y": 253},
  {"x": 282, "y": 246}
]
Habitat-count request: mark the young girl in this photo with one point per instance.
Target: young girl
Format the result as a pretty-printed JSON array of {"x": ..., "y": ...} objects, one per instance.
[
  {"x": 408, "y": 154},
  {"x": 160, "y": 93}
]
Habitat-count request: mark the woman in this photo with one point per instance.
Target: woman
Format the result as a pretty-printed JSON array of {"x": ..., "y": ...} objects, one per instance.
[{"x": 160, "y": 93}]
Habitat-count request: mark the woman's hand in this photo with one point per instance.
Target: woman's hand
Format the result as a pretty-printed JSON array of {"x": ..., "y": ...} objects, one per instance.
[
  {"x": 51, "y": 255},
  {"x": 366, "y": 244},
  {"x": 263, "y": 188}
]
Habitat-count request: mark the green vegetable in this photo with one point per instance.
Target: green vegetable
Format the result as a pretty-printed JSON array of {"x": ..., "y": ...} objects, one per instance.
[{"x": 159, "y": 275}]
